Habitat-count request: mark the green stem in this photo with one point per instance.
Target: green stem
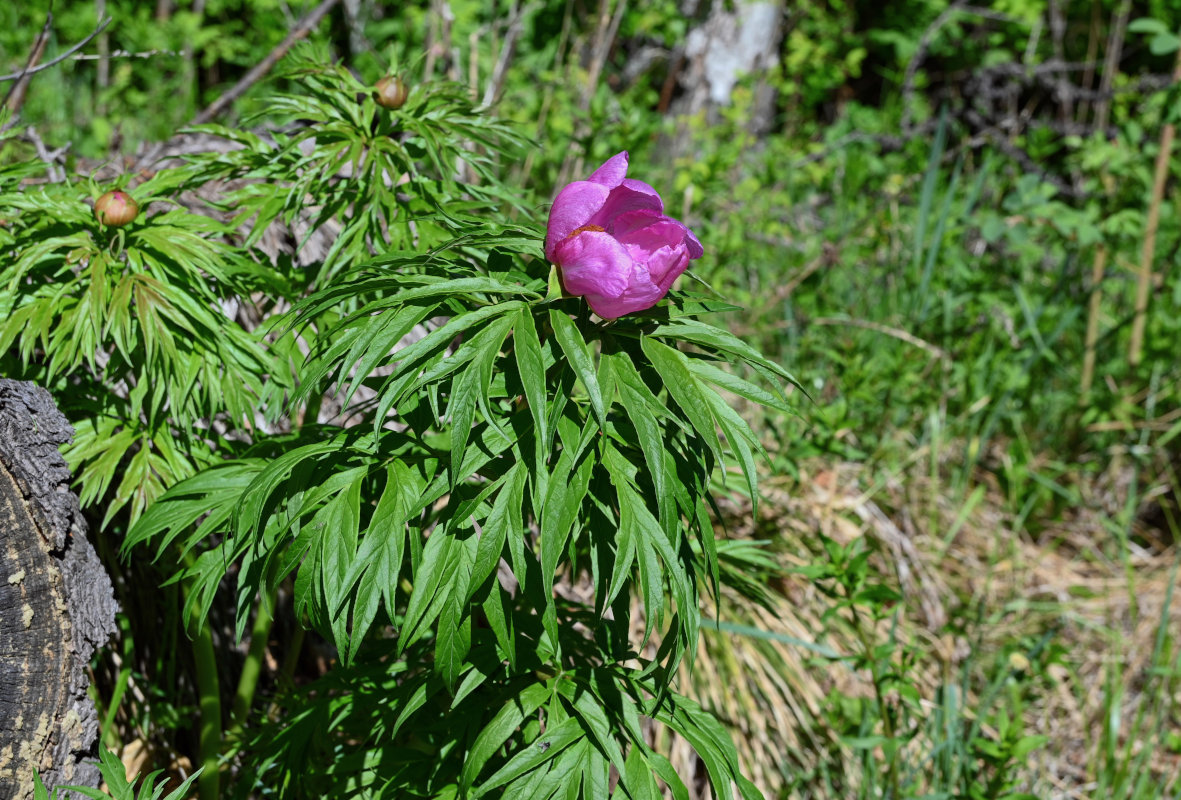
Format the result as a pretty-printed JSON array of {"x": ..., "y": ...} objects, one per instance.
[
  {"x": 121, "y": 683},
  {"x": 311, "y": 411},
  {"x": 286, "y": 677},
  {"x": 209, "y": 701},
  {"x": 209, "y": 693},
  {"x": 285, "y": 680},
  {"x": 116, "y": 698},
  {"x": 260, "y": 633}
]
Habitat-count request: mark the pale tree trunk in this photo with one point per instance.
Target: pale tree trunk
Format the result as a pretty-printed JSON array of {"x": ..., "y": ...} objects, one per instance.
[
  {"x": 56, "y": 603},
  {"x": 736, "y": 39}
]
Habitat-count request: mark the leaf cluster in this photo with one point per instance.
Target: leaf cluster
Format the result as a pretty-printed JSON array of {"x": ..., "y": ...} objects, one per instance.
[
  {"x": 118, "y": 786},
  {"x": 134, "y": 320},
  {"x": 513, "y": 453},
  {"x": 380, "y": 180}
]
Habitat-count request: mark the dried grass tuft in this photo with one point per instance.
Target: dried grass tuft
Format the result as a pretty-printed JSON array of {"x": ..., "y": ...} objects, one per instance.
[{"x": 1104, "y": 605}]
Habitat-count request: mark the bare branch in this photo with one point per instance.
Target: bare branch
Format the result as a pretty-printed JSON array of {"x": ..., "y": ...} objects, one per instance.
[
  {"x": 1115, "y": 48},
  {"x": 15, "y": 96},
  {"x": 127, "y": 54},
  {"x": 301, "y": 30},
  {"x": 56, "y": 172},
  {"x": 54, "y": 62},
  {"x": 496, "y": 81},
  {"x": 933, "y": 350}
]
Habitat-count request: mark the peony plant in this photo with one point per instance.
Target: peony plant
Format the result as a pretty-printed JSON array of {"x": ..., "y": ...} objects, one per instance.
[
  {"x": 489, "y": 511},
  {"x": 501, "y": 532}
]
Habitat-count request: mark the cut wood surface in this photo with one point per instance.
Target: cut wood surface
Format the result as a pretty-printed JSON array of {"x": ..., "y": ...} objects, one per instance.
[{"x": 56, "y": 603}]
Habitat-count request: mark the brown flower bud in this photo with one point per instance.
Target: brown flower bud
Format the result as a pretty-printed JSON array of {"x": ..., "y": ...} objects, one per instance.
[
  {"x": 391, "y": 92},
  {"x": 116, "y": 209}
]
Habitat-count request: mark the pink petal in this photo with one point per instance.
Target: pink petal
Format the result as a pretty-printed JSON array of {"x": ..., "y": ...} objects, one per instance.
[
  {"x": 641, "y": 294},
  {"x": 643, "y": 188},
  {"x": 623, "y": 200},
  {"x": 626, "y": 224},
  {"x": 660, "y": 232},
  {"x": 630, "y": 221},
  {"x": 592, "y": 262},
  {"x": 613, "y": 171},
  {"x": 572, "y": 209},
  {"x": 664, "y": 265}
]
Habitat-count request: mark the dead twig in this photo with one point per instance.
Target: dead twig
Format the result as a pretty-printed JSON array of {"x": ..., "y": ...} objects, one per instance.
[
  {"x": 1115, "y": 48},
  {"x": 57, "y": 174},
  {"x": 15, "y": 97},
  {"x": 496, "y": 81},
  {"x": 1161, "y": 424},
  {"x": 1092, "y": 54},
  {"x": 103, "y": 68},
  {"x": 827, "y": 258},
  {"x": 1094, "y": 307},
  {"x": 127, "y": 54},
  {"x": 301, "y": 30},
  {"x": 1144, "y": 277},
  {"x": 869, "y": 325},
  {"x": 55, "y": 61},
  {"x": 604, "y": 40}
]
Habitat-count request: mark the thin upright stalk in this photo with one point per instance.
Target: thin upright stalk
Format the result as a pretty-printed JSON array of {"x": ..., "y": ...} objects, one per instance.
[
  {"x": 209, "y": 701},
  {"x": 260, "y": 633},
  {"x": 1098, "y": 267},
  {"x": 103, "y": 68},
  {"x": 1144, "y": 278},
  {"x": 1115, "y": 47}
]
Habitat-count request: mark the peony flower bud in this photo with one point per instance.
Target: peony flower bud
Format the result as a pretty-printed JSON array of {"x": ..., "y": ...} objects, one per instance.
[
  {"x": 116, "y": 209},
  {"x": 391, "y": 92},
  {"x": 613, "y": 244}
]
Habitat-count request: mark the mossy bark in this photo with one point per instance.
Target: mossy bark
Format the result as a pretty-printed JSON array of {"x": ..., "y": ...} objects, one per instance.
[{"x": 56, "y": 603}]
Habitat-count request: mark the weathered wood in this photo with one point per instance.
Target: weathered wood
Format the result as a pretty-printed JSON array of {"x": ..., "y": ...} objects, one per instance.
[{"x": 56, "y": 603}]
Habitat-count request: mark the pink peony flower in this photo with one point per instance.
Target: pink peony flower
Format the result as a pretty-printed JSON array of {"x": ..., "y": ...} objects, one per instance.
[{"x": 613, "y": 244}]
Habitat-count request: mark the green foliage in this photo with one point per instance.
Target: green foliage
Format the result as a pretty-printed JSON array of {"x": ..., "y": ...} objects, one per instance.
[
  {"x": 943, "y": 298},
  {"x": 118, "y": 787},
  {"x": 387, "y": 179},
  {"x": 148, "y": 73},
  {"x": 513, "y": 445},
  {"x": 1163, "y": 40},
  {"x": 131, "y": 317},
  {"x": 504, "y": 473},
  {"x": 911, "y": 746}
]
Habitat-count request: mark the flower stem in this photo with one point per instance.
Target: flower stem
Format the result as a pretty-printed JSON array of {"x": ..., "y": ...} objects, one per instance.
[
  {"x": 247, "y": 683},
  {"x": 209, "y": 701}
]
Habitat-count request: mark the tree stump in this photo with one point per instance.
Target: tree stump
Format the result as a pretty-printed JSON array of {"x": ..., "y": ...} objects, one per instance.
[{"x": 56, "y": 603}]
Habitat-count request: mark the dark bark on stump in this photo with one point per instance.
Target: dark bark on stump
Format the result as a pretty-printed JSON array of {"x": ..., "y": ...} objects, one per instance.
[{"x": 56, "y": 603}]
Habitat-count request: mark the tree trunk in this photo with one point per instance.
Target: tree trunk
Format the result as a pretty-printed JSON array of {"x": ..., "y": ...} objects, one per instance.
[
  {"x": 56, "y": 603},
  {"x": 736, "y": 39}
]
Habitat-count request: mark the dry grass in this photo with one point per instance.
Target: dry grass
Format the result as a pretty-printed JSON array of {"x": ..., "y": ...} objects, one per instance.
[{"x": 1102, "y": 604}]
